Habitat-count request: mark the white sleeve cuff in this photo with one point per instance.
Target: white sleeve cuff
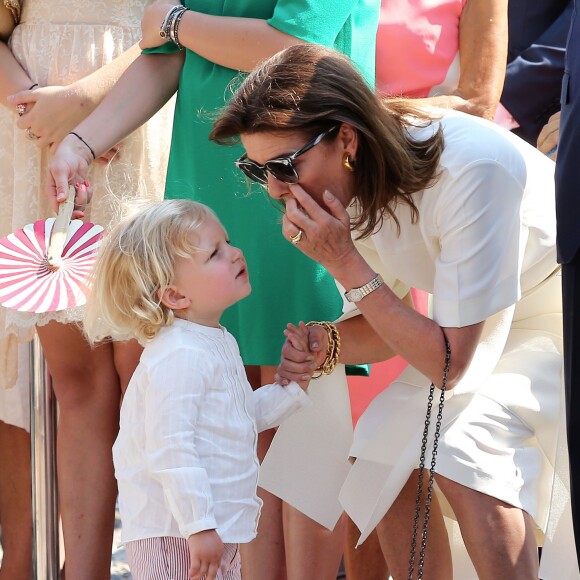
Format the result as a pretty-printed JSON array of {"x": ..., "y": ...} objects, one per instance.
[
  {"x": 274, "y": 403},
  {"x": 198, "y": 526}
]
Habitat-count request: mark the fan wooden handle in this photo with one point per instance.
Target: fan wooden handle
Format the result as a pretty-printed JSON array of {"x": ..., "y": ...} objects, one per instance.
[{"x": 60, "y": 228}]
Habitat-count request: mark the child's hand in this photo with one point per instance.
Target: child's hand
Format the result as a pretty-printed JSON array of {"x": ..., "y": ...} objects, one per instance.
[
  {"x": 298, "y": 362},
  {"x": 205, "y": 553}
]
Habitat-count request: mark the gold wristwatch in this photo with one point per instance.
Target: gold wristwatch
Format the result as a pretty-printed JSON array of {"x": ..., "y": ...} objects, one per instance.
[{"x": 357, "y": 294}]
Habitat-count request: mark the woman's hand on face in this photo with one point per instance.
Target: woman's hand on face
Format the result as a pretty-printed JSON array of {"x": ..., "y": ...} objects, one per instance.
[
  {"x": 69, "y": 164},
  {"x": 326, "y": 236},
  {"x": 152, "y": 21},
  {"x": 51, "y": 112},
  {"x": 302, "y": 353}
]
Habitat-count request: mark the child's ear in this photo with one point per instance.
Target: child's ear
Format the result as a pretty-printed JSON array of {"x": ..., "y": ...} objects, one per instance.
[{"x": 173, "y": 299}]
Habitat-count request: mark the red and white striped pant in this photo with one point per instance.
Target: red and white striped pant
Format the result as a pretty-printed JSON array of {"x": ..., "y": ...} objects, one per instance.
[{"x": 167, "y": 558}]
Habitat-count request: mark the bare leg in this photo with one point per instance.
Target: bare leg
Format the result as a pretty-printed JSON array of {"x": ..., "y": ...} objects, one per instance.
[
  {"x": 87, "y": 389},
  {"x": 499, "y": 537},
  {"x": 312, "y": 551},
  {"x": 366, "y": 562},
  {"x": 15, "y": 503},
  {"x": 126, "y": 356},
  {"x": 395, "y": 532},
  {"x": 264, "y": 558}
]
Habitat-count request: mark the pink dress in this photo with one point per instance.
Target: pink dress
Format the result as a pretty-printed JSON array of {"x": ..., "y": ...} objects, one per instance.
[{"x": 418, "y": 47}]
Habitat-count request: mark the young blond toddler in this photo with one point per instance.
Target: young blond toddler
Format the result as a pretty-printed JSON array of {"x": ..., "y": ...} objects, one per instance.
[{"x": 185, "y": 457}]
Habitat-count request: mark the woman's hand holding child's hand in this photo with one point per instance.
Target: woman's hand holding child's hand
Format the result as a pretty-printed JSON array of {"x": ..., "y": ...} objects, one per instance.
[
  {"x": 205, "y": 553},
  {"x": 303, "y": 352}
]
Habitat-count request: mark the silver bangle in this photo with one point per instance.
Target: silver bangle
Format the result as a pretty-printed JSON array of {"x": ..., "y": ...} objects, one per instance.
[
  {"x": 167, "y": 22},
  {"x": 173, "y": 30}
]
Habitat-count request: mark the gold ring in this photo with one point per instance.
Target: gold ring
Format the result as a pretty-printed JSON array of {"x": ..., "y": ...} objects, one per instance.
[
  {"x": 31, "y": 135},
  {"x": 296, "y": 239}
]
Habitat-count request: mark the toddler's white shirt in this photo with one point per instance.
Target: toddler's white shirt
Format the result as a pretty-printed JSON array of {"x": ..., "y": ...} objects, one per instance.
[{"x": 185, "y": 457}]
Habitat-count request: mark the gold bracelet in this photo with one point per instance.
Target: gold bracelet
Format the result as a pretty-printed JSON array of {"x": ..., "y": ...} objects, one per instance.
[{"x": 333, "y": 349}]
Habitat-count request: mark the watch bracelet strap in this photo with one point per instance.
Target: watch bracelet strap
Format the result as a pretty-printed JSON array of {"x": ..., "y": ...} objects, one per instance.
[{"x": 365, "y": 290}]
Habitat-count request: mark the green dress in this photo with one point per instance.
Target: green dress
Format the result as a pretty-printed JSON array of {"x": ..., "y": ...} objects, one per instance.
[{"x": 286, "y": 285}]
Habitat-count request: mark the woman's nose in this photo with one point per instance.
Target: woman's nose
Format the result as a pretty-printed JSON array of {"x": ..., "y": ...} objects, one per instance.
[{"x": 276, "y": 188}]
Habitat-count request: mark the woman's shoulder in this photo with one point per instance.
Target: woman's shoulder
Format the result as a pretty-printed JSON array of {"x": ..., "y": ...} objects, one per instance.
[
  {"x": 485, "y": 169},
  {"x": 471, "y": 142}
]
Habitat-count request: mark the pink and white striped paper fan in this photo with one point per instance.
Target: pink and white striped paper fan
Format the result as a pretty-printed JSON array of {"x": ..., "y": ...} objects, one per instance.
[{"x": 28, "y": 282}]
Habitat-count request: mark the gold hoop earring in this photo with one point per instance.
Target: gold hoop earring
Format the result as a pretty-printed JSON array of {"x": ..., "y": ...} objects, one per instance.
[{"x": 348, "y": 162}]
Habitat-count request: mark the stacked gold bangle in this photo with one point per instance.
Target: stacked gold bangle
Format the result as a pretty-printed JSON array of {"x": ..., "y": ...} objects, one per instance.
[{"x": 333, "y": 350}]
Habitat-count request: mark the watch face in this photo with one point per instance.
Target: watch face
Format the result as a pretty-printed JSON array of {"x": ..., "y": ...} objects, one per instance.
[{"x": 355, "y": 295}]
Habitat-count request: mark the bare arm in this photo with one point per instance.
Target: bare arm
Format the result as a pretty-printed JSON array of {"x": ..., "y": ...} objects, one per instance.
[
  {"x": 243, "y": 42},
  {"x": 94, "y": 87},
  {"x": 53, "y": 111},
  {"x": 12, "y": 76},
  {"x": 483, "y": 39},
  {"x": 364, "y": 342},
  {"x": 140, "y": 92},
  {"x": 7, "y": 21},
  {"x": 389, "y": 327},
  {"x": 232, "y": 42},
  {"x": 361, "y": 344},
  {"x": 417, "y": 339}
]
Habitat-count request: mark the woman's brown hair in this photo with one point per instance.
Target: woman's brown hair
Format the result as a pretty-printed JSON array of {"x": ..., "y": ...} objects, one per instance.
[{"x": 310, "y": 88}]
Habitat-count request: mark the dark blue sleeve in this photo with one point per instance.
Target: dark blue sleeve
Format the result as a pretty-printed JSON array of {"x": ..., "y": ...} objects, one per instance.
[{"x": 533, "y": 79}]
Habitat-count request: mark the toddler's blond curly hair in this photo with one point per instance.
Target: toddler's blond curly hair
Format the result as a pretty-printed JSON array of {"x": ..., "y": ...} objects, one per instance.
[{"x": 135, "y": 263}]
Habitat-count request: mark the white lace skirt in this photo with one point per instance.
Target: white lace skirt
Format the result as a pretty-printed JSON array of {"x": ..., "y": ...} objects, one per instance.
[{"x": 58, "y": 52}]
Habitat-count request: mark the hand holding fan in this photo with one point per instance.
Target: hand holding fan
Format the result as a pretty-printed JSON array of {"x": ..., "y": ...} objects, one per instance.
[{"x": 44, "y": 266}]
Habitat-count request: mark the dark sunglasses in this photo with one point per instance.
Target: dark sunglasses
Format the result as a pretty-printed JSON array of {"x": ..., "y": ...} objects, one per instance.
[{"x": 282, "y": 168}]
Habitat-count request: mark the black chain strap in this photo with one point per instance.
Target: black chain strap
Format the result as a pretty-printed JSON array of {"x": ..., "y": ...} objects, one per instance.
[{"x": 429, "y": 496}]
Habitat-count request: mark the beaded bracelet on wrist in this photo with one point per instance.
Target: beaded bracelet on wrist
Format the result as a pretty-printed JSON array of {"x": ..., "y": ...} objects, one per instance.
[
  {"x": 169, "y": 28},
  {"x": 169, "y": 17}
]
